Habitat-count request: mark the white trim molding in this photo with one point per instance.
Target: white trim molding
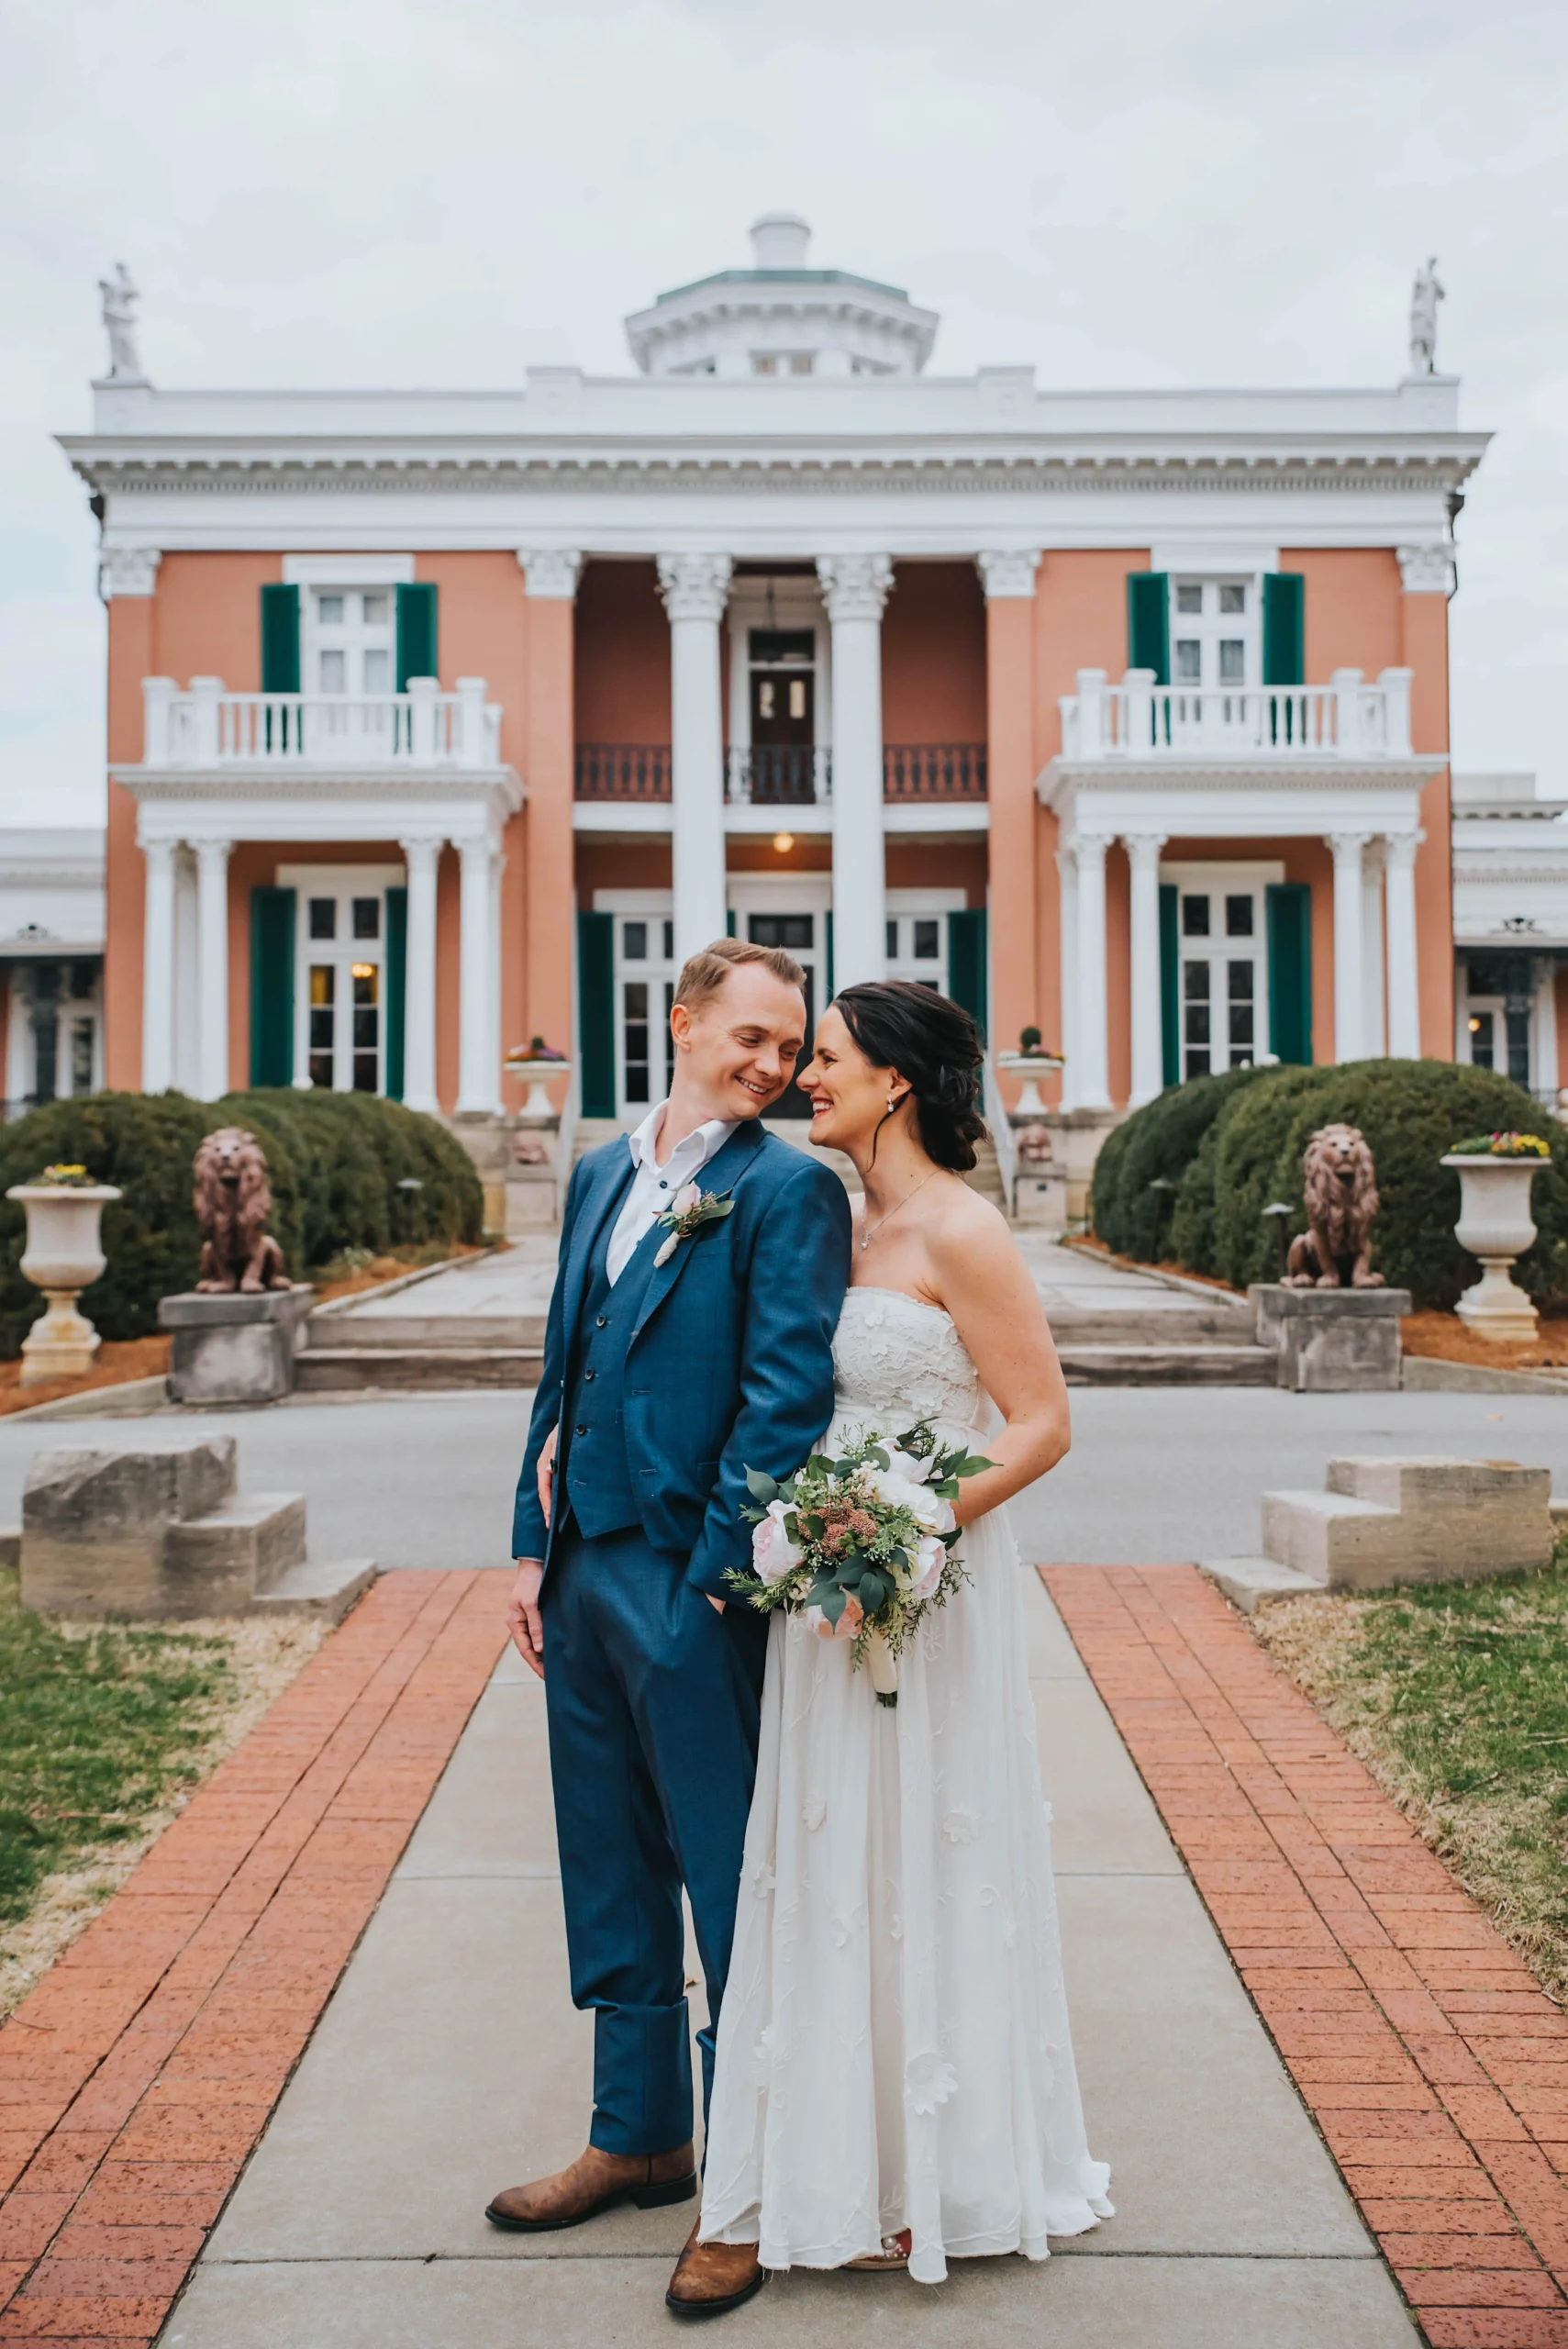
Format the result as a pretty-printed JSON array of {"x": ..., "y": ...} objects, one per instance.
[
  {"x": 1428, "y": 570},
  {"x": 348, "y": 570},
  {"x": 128, "y": 571},
  {"x": 550, "y": 574},
  {"x": 1007, "y": 572}
]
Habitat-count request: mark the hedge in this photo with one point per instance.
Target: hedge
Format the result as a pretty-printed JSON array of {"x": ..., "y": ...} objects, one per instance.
[
  {"x": 335, "y": 1162},
  {"x": 1158, "y": 1142},
  {"x": 1249, "y": 1149}
]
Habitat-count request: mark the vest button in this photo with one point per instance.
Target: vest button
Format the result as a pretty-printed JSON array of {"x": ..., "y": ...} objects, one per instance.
[
  {"x": 587, "y": 1375},
  {"x": 580, "y": 1429},
  {"x": 602, "y": 1321}
]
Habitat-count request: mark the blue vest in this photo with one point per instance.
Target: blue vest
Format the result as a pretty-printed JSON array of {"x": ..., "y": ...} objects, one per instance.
[{"x": 598, "y": 1481}]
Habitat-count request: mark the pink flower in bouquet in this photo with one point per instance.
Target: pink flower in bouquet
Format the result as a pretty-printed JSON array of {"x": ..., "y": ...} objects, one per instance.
[
  {"x": 772, "y": 1552},
  {"x": 685, "y": 1200},
  {"x": 849, "y": 1622},
  {"x": 930, "y": 1560}
]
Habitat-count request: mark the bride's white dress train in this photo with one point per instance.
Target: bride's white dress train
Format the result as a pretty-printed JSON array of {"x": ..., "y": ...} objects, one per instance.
[{"x": 894, "y": 2047}]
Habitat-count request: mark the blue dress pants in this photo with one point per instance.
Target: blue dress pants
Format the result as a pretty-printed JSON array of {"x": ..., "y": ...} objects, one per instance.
[{"x": 653, "y": 1699}]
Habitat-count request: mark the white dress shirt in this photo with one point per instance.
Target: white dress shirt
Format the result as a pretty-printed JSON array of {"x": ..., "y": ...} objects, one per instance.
[{"x": 653, "y": 1187}]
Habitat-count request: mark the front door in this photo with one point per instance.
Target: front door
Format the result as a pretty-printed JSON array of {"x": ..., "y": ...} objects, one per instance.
[
  {"x": 783, "y": 717},
  {"x": 1220, "y": 950}
]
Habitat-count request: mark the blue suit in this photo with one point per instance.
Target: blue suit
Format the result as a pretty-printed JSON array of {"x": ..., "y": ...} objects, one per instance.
[{"x": 666, "y": 1388}]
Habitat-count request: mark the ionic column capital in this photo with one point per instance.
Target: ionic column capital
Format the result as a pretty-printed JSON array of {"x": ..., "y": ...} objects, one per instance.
[
  {"x": 1399, "y": 849},
  {"x": 1428, "y": 570},
  {"x": 422, "y": 853},
  {"x": 1007, "y": 572},
  {"x": 1347, "y": 847},
  {"x": 1143, "y": 849},
  {"x": 550, "y": 574},
  {"x": 128, "y": 571},
  {"x": 695, "y": 587},
  {"x": 1088, "y": 850},
  {"x": 855, "y": 587}
]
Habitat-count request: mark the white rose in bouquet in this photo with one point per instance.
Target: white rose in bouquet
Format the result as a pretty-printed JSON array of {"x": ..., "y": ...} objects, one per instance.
[
  {"x": 926, "y": 1508},
  {"x": 929, "y": 1559},
  {"x": 772, "y": 1552}
]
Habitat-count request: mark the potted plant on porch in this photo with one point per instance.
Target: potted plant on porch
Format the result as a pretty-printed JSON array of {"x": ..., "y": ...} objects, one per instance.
[
  {"x": 1031, "y": 1061},
  {"x": 538, "y": 1062}
]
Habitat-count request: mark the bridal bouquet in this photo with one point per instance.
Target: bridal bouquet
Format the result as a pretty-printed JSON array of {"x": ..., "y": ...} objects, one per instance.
[{"x": 861, "y": 1545}]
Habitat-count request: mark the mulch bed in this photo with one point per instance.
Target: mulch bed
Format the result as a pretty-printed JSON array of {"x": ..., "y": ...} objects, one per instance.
[
  {"x": 116, "y": 1362},
  {"x": 1432, "y": 2060}
]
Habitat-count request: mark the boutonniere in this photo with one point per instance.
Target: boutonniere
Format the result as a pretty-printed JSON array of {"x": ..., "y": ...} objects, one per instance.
[{"x": 688, "y": 1211}]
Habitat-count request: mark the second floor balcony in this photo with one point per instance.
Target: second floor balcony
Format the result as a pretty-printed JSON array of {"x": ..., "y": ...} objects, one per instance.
[
  {"x": 422, "y": 728},
  {"x": 784, "y": 775},
  {"x": 1139, "y": 722}
]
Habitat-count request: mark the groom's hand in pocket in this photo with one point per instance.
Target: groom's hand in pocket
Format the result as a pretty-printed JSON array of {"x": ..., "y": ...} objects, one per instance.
[{"x": 524, "y": 1621}]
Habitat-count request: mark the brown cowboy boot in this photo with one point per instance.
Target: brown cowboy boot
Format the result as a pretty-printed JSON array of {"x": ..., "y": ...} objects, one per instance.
[
  {"x": 596, "y": 2181},
  {"x": 710, "y": 2278}
]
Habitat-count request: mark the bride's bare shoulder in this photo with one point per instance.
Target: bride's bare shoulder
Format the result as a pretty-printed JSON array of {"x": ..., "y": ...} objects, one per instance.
[{"x": 970, "y": 1240}]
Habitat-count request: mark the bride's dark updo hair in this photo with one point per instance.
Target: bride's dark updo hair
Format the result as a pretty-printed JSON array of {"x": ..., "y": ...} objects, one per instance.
[{"x": 935, "y": 1046}]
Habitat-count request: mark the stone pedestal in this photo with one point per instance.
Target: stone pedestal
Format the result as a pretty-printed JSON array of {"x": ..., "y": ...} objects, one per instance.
[
  {"x": 235, "y": 1348},
  {"x": 1331, "y": 1340}
]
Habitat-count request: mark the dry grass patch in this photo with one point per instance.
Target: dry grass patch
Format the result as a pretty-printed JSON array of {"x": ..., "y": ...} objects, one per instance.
[{"x": 1455, "y": 1696}]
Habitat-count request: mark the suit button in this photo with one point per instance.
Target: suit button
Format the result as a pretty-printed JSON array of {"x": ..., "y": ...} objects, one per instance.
[
  {"x": 603, "y": 1322},
  {"x": 588, "y": 1374},
  {"x": 580, "y": 1429}
]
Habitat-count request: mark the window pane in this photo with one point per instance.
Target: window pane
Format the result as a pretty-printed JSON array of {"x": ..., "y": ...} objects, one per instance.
[
  {"x": 1189, "y": 660},
  {"x": 81, "y": 1056},
  {"x": 367, "y": 917},
  {"x": 765, "y": 362},
  {"x": 367, "y": 988},
  {"x": 1239, "y": 983},
  {"x": 800, "y": 362},
  {"x": 797, "y": 697},
  {"x": 1239, "y": 916},
  {"x": 1195, "y": 982},
  {"x": 791, "y": 931},
  {"x": 670, "y": 943},
  {"x": 1233, "y": 599},
  {"x": 634, "y": 942},
  {"x": 1195, "y": 1019},
  {"x": 364, "y": 1072},
  {"x": 323, "y": 984},
  {"x": 1195, "y": 917},
  {"x": 928, "y": 941},
  {"x": 375, "y": 611},
  {"x": 1483, "y": 1048},
  {"x": 1232, "y": 661},
  {"x": 324, "y": 917},
  {"x": 1190, "y": 598},
  {"x": 764, "y": 697},
  {"x": 1517, "y": 1026},
  {"x": 321, "y": 1070},
  {"x": 893, "y": 941},
  {"x": 329, "y": 610},
  {"x": 367, "y": 1029},
  {"x": 634, "y": 998},
  {"x": 332, "y": 671},
  {"x": 1197, "y": 1064},
  {"x": 378, "y": 673},
  {"x": 1241, "y": 1025}
]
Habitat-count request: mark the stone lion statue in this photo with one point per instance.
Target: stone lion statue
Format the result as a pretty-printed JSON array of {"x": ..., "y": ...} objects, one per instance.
[
  {"x": 233, "y": 1201},
  {"x": 1335, "y": 1250}
]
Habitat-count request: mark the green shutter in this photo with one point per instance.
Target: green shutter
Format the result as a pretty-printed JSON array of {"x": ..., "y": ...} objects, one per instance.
[
  {"x": 1285, "y": 628},
  {"x": 827, "y": 949},
  {"x": 596, "y": 1012},
  {"x": 1289, "y": 914},
  {"x": 966, "y": 963},
  {"x": 280, "y": 640},
  {"x": 418, "y": 652},
  {"x": 729, "y": 923},
  {"x": 1149, "y": 624},
  {"x": 1170, "y": 986},
  {"x": 396, "y": 987},
  {"x": 271, "y": 985}
]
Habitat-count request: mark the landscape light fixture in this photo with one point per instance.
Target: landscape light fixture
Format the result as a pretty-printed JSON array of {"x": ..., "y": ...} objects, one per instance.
[
  {"x": 1162, "y": 1187},
  {"x": 1279, "y": 1214}
]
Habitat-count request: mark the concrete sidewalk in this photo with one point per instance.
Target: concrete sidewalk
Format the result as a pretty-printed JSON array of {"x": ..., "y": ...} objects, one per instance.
[{"x": 451, "y": 2062}]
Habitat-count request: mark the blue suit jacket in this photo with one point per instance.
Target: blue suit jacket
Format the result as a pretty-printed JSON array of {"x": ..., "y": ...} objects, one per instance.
[{"x": 730, "y": 1364}]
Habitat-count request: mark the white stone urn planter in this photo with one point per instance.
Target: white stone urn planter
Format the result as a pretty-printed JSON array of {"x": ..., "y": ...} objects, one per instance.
[
  {"x": 1494, "y": 1224},
  {"x": 62, "y": 1257},
  {"x": 538, "y": 1072},
  {"x": 1031, "y": 1067}
]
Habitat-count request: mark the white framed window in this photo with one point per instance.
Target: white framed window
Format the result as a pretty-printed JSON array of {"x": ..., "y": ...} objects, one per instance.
[
  {"x": 1222, "y": 972},
  {"x": 341, "y": 1007},
  {"x": 644, "y": 979},
  {"x": 790, "y": 910},
  {"x": 1215, "y": 633},
  {"x": 349, "y": 641},
  {"x": 917, "y": 934}
]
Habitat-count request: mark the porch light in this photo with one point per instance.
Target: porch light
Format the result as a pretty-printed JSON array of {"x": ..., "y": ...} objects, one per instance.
[
  {"x": 1475, "y": 1027},
  {"x": 785, "y": 841},
  {"x": 364, "y": 970}
]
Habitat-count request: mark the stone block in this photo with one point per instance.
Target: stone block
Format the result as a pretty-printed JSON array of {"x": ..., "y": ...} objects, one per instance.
[
  {"x": 217, "y": 1564},
  {"x": 1458, "y": 1519},
  {"x": 1331, "y": 1340},
  {"x": 93, "y": 1523},
  {"x": 235, "y": 1348}
]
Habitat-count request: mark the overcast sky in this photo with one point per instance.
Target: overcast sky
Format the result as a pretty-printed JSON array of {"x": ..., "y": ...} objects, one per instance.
[{"x": 1140, "y": 192}]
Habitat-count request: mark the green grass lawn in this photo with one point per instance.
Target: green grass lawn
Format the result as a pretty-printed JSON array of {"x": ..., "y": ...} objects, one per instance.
[
  {"x": 1456, "y": 1696},
  {"x": 99, "y": 1729}
]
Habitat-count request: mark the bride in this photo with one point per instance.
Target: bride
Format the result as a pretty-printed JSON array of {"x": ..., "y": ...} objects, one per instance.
[{"x": 894, "y": 2081}]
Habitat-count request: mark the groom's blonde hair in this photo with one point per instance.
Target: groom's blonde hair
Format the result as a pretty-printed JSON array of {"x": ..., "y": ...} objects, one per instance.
[{"x": 703, "y": 975}]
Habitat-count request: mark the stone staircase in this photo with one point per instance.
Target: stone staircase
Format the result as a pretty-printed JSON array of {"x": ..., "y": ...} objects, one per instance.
[{"x": 1386, "y": 1521}]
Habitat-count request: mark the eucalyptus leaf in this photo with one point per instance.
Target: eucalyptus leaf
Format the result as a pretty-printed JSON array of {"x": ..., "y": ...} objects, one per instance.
[
  {"x": 832, "y": 1604},
  {"x": 761, "y": 1486}
]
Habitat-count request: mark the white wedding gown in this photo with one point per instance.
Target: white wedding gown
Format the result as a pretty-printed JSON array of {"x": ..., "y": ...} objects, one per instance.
[{"x": 894, "y": 2047}]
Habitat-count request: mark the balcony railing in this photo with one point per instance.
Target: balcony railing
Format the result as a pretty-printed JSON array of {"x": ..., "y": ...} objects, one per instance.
[
  {"x": 933, "y": 771},
  {"x": 623, "y": 771},
  {"x": 1137, "y": 720},
  {"x": 421, "y": 728},
  {"x": 779, "y": 775}
]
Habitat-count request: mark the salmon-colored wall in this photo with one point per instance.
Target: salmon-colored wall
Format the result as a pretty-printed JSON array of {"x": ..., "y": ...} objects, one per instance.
[
  {"x": 547, "y": 847},
  {"x": 622, "y": 655},
  {"x": 208, "y": 618},
  {"x": 449, "y": 973},
  {"x": 933, "y": 655},
  {"x": 1424, "y": 644},
  {"x": 808, "y": 855},
  {"x": 1352, "y": 600},
  {"x": 941, "y": 865},
  {"x": 130, "y": 660},
  {"x": 619, "y": 864},
  {"x": 1016, "y": 815}
]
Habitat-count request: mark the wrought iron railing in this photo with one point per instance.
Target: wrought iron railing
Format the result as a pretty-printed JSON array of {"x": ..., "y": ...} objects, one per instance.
[
  {"x": 933, "y": 771},
  {"x": 779, "y": 775},
  {"x": 623, "y": 771}
]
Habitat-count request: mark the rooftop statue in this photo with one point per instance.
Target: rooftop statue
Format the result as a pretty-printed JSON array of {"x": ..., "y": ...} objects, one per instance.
[
  {"x": 1425, "y": 296},
  {"x": 120, "y": 298}
]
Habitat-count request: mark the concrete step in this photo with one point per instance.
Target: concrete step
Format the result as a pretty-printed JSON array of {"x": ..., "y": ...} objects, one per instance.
[
  {"x": 329, "y": 1589},
  {"x": 1159, "y": 1365},
  {"x": 243, "y": 1546},
  {"x": 380, "y": 1332},
  {"x": 1333, "y": 1538},
  {"x": 1246, "y": 1581},
  {"x": 340, "y": 1370},
  {"x": 1152, "y": 1323}
]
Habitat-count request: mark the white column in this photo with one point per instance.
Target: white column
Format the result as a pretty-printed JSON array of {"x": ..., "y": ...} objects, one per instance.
[
  {"x": 1067, "y": 867},
  {"x": 1093, "y": 1089},
  {"x": 158, "y": 968},
  {"x": 695, "y": 588},
  {"x": 855, "y": 588},
  {"x": 1148, "y": 1045},
  {"x": 1348, "y": 849},
  {"x": 477, "y": 1071},
  {"x": 1404, "y": 991},
  {"x": 419, "y": 977},
  {"x": 187, "y": 977},
  {"x": 212, "y": 965},
  {"x": 1374, "y": 1025}
]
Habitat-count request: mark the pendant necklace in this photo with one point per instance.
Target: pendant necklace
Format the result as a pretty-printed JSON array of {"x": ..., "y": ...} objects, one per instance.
[{"x": 867, "y": 1237}]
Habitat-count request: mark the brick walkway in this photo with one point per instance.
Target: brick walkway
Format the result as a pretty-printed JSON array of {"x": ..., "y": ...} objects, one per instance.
[
  {"x": 135, "y": 2079},
  {"x": 1433, "y": 2063}
]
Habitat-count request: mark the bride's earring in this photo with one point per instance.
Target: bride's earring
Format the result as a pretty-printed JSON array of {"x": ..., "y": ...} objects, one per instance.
[{"x": 892, "y": 1102}]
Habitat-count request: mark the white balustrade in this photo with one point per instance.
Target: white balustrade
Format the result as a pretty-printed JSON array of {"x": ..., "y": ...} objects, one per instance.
[
  {"x": 422, "y": 727},
  {"x": 1137, "y": 720}
]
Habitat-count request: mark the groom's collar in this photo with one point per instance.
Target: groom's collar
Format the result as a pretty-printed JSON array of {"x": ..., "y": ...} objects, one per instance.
[{"x": 714, "y": 1135}]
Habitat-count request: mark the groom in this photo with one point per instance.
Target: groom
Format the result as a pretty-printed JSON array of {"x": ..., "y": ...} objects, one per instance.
[{"x": 677, "y": 1355}]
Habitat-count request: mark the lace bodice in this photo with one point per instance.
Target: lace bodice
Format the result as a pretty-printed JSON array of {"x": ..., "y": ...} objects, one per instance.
[{"x": 895, "y": 1359}]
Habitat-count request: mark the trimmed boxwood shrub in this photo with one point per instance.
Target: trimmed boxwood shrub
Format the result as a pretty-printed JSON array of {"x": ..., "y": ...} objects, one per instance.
[
  {"x": 1159, "y": 1141},
  {"x": 335, "y": 1162}
]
